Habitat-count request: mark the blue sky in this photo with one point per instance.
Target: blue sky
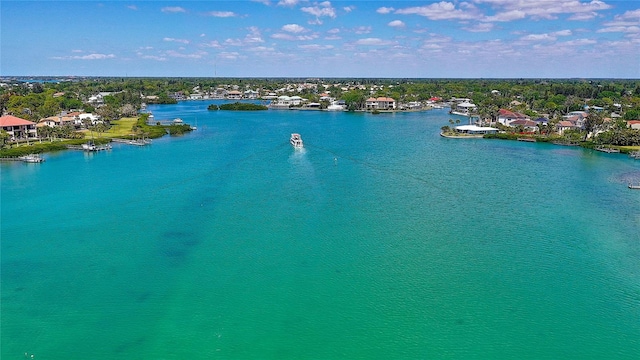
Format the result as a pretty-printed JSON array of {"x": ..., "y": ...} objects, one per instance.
[{"x": 297, "y": 38}]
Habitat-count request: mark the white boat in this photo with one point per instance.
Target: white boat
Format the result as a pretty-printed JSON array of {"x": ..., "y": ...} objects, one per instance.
[
  {"x": 296, "y": 141},
  {"x": 32, "y": 158},
  {"x": 336, "y": 107},
  {"x": 90, "y": 146}
]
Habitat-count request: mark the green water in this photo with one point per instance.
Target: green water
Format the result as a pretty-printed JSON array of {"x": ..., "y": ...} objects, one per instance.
[{"x": 381, "y": 240}]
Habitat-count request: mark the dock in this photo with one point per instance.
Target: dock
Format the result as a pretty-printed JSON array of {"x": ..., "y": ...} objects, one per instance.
[
  {"x": 31, "y": 158},
  {"x": 89, "y": 147},
  {"x": 607, "y": 150},
  {"x": 137, "y": 142}
]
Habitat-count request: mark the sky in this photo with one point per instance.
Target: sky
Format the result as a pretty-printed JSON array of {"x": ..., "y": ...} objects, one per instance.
[{"x": 322, "y": 39}]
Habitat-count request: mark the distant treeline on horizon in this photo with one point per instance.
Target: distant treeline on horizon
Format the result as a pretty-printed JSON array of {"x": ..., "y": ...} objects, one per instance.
[{"x": 295, "y": 79}]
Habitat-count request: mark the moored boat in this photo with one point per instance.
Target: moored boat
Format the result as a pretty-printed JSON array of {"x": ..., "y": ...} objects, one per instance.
[
  {"x": 296, "y": 141},
  {"x": 91, "y": 146},
  {"x": 32, "y": 158}
]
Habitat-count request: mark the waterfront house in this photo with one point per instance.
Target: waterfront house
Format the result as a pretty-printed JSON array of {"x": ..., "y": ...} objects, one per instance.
[
  {"x": 633, "y": 124},
  {"x": 565, "y": 125},
  {"x": 463, "y": 107},
  {"x": 18, "y": 128},
  {"x": 475, "y": 130},
  {"x": 234, "y": 95},
  {"x": 576, "y": 116},
  {"x": 506, "y": 117},
  {"x": 527, "y": 125},
  {"x": 380, "y": 103},
  {"x": 62, "y": 119},
  {"x": 93, "y": 118},
  {"x": 251, "y": 94},
  {"x": 284, "y": 102},
  {"x": 542, "y": 121}
]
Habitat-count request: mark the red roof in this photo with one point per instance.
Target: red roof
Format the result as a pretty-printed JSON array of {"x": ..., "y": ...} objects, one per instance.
[
  {"x": 504, "y": 113},
  {"x": 10, "y": 120}
]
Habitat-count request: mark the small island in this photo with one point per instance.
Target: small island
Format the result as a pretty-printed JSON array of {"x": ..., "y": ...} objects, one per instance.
[{"x": 238, "y": 106}]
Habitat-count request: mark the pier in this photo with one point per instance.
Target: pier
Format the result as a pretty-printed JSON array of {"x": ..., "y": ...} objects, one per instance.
[
  {"x": 89, "y": 147},
  {"x": 137, "y": 142}
]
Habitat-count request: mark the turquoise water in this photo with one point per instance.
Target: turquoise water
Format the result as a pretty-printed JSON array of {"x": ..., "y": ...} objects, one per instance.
[{"x": 380, "y": 240}]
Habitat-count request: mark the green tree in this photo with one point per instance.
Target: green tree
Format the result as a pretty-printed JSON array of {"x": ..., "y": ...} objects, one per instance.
[
  {"x": 4, "y": 138},
  {"x": 593, "y": 122},
  {"x": 354, "y": 99}
]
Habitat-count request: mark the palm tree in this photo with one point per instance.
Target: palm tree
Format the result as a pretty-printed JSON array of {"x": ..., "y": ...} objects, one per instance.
[{"x": 45, "y": 132}]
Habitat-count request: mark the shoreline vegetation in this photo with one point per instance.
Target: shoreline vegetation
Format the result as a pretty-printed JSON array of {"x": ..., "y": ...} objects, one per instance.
[
  {"x": 119, "y": 104},
  {"x": 124, "y": 128},
  {"x": 238, "y": 106}
]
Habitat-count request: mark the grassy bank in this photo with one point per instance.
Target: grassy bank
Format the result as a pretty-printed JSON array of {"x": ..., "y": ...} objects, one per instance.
[{"x": 124, "y": 128}]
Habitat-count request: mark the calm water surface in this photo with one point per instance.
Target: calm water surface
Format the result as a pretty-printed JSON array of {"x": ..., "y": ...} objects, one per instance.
[{"x": 380, "y": 240}]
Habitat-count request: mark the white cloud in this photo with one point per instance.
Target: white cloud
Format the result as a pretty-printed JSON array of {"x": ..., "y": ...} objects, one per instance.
[
  {"x": 290, "y": 37},
  {"x": 221, "y": 14},
  {"x": 547, "y": 36},
  {"x": 583, "y": 16},
  {"x": 385, "y": 10},
  {"x": 152, "y": 57},
  {"x": 483, "y": 27},
  {"x": 315, "y": 47},
  {"x": 293, "y": 28},
  {"x": 333, "y": 31},
  {"x": 348, "y": 9},
  {"x": 254, "y": 36},
  {"x": 538, "y": 37},
  {"x": 212, "y": 44},
  {"x": 229, "y": 55},
  {"x": 360, "y": 30},
  {"x": 543, "y": 9},
  {"x": 173, "y": 9},
  {"x": 181, "y": 41},
  {"x": 507, "y": 16},
  {"x": 289, "y": 3},
  {"x": 563, "y": 33},
  {"x": 262, "y": 49},
  {"x": 579, "y": 42},
  {"x": 622, "y": 29},
  {"x": 397, "y": 24},
  {"x": 320, "y": 9},
  {"x": 440, "y": 11},
  {"x": 233, "y": 42},
  {"x": 374, "y": 42},
  {"x": 628, "y": 22},
  {"x": 196, "y": 55},
  {"x": 132, "y": 7},
  {"x": 94, "y": 56}
]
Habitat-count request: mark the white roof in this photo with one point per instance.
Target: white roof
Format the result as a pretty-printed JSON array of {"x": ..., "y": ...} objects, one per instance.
[
  {"x": 466, "y": 104},
  {"x": 475, "y": 128}
]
